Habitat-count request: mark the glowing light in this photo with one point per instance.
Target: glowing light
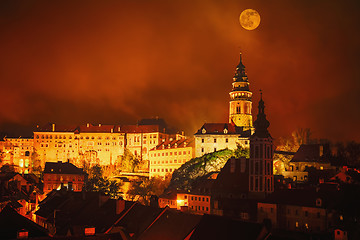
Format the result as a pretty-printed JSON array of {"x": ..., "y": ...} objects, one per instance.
[{"x": 249, "y": 19}]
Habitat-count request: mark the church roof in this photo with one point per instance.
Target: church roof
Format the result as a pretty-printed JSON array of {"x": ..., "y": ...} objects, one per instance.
[{"x": 261, "y": 123}]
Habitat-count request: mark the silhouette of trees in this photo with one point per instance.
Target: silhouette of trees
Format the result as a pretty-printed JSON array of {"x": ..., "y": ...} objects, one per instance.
[
  {"x": 143, "y": 190},
  {"x": 97, "y": 182}
]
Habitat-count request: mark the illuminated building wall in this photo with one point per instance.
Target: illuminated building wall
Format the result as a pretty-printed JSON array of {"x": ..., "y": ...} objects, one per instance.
[
  {"x": 102, "y": 144},
  {"x": 94, "y": 144},
  {"x": 217, "y": 136},
  {"x": 195, "y": 203},
  {"x": 170, "y": 155},
  {"x": 63, "y": 174},
  {"x": 17, "y": 152},
  {"x": 240, "y": 99},
  {"x": 212, "y": 137}
]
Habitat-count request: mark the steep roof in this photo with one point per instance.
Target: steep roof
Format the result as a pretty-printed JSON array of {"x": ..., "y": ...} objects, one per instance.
[
  {"x": 181, "y": 143},
  {"x": 222, "y": 129},
  {"x": 311, "y": 153},
  {"x": 62, "y": 168},
  {"x": 138, "y": 219},
  {"x": 89, "y": 128},
  {"x": 11, "y": 222},
  {"x": 57, "y": 128},
  {"x": 233, "y": 177},
  {"x": 140, "y": 128},
  {"x": 172, "y": 225},
  {"x": 219, "y": 227}
]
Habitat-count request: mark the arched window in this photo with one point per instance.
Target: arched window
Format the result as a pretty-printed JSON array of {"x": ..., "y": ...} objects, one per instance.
[{"x": 238, "y": 109}]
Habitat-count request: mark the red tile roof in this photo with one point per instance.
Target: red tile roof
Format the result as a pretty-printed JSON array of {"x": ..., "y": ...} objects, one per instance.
[
  {"x": 221, "y": 128},
  {"x": 57, "y": 128},
  {"x": 89, "y": 128},
  {"x": 140, "y": 128},
  {"x": 181, "y": 143}
]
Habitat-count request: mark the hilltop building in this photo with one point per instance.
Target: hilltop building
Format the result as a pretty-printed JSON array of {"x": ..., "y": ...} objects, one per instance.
[
  {"x": 216, "y": 136},
  {"x": 170, "y": 155},
  {"x": 17, "y": 153}
]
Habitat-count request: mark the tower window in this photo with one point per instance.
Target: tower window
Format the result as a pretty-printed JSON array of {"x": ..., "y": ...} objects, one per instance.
[{"x": 238, "y": 109}]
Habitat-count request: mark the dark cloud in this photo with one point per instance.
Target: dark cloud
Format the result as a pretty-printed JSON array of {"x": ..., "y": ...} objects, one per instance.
[{"x": 119, "y": 61}]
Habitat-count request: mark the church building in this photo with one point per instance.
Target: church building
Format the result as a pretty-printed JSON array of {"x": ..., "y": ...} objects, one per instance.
[{"x": 216, "y": 136}]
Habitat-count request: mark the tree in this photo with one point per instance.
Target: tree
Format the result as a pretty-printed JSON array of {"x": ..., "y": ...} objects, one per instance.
[
  {"x": 36, "y": 163},
  {"x": 97, "y": 182},
  {"x": 241, "y": 151},
  {"x": 129, "y": 162},
  {"x": 143, "y": 190},
  {"x": 290, "y": 144}
]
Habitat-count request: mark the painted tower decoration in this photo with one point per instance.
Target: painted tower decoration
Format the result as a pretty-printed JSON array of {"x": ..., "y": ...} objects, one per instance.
[
  {"x": 261, "y": 178},
  {"x": 240, "y": 99}
]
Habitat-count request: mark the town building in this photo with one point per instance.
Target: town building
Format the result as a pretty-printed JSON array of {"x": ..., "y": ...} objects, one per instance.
[
  {"x": 17, "y": 152},
  {"x": 101, "y": 144},
  {"x": 169, "y": 156},
  {"x": 316, "y": 156},
  {"x": 63, "y": 174},
  {"x": 216, "y": 136},
  {"x": 196, "y": 203}
]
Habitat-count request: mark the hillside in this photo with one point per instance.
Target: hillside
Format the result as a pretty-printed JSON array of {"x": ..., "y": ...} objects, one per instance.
[{"x": 189, "y": 172}]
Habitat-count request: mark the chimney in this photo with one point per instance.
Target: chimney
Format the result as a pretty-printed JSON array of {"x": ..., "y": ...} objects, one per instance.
[
  {"x": 53, "y": 127},
  {"x": 184, "y": 144},
  {"x": 120, "y": 206},
  {"x": 112, "y": 130},
  {"x": 99, "y": 124},
  {"x": 118, "y": 128},
  {"x": 88, "y": 125}
]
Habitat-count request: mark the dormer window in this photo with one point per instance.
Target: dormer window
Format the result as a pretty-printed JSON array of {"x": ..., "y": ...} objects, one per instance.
[
  {"x": 203, "y": 131},
  {"x": 225, "y": 131}
]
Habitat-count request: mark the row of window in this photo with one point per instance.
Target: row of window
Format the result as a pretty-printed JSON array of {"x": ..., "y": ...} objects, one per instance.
[
  {"x": 258, "y": 186},
  {"x": 200, "y": 208},
  {"x": 203, "y": 199},
  {"x": 45, "y": 145},
  {"x": 76, "y": 138},
  {"x": 169, "y": 153},
  {"x": 169, "y": 161},
  {"x": 261, "y": 151},
  {"x": 306, "y": 213},
  {"x": 257, "y": 167},
  {"x": 215, "y": 140},
  {"x": 163, "y": 170}
]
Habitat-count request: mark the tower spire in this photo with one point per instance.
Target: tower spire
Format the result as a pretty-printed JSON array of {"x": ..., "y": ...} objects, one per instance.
[
  {"x": 240, "y": 99},
  {"x": 261, "y": 123}
]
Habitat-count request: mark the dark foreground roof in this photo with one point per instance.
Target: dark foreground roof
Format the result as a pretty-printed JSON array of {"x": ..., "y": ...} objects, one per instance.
[
  {"x": 219, "y": 227},
  {"x": 11, "y": 223},
  {"x": 62, "y": 167}
]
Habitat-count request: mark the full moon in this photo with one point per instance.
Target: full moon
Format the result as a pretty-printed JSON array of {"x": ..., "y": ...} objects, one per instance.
[{"x": 249, "y": 19}]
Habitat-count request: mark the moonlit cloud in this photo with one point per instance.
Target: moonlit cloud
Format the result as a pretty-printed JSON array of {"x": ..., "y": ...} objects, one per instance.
[{"x": 119, "y": 61}]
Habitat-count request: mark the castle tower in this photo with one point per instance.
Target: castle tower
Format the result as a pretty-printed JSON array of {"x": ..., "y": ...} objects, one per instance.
[
  {"x": 240, "y": 99},
  {"x": 261, "y": 178}
]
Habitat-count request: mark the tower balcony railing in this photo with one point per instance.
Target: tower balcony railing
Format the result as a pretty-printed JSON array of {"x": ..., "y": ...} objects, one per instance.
[{"x": 241, "y": 98}]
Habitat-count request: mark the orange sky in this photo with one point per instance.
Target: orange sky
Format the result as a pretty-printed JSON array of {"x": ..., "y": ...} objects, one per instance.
[{"x": 115, "y": 62}]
